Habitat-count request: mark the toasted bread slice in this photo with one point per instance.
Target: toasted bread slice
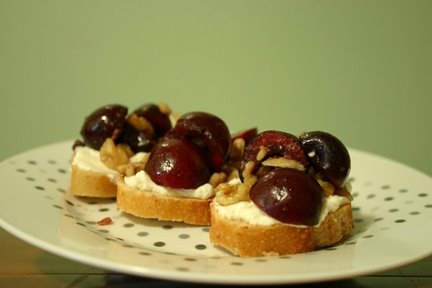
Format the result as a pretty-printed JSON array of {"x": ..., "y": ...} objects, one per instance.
[
  {"x": 248, "y": 240},
  {"x": 146, "y": 204},
  {"x": 89, "y": 176},
  {"x": 91, "y": 183}
]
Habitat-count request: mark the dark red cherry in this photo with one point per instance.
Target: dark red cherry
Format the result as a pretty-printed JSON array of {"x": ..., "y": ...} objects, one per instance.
[
  {"x": 152, "y": 113},
  {"x": 276, "y": 144},
  {"x": 288, "y": 195},
  {"x": 177, "y": 163},
  {"x": 137, "y": 140},
  {"x": 328, "y": 155},
  {"x": 105, "y": 122},
  {"x": 207, "y": 130}
]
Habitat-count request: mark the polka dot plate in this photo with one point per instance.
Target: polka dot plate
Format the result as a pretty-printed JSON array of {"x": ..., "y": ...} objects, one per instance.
[{"x": 392, "y": 210}]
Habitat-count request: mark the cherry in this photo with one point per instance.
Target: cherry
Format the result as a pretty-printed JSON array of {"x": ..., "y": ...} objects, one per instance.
[
  {"x": 177, "y": 163},
  {"x": 275, "y": 143},
  {"x": 328, "y": 155},
  {"x": 288, "y": 195},
  {"x": 137, "y": 140},
  {"x": 160, "y": 121},
  {"x": 140, "y": 140},
  {"x": 208, "y": 131},
  {"x": 105, "y": 122}
]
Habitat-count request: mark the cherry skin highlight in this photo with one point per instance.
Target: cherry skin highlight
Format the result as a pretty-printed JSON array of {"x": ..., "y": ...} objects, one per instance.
[{"x": 178, "y": 163}]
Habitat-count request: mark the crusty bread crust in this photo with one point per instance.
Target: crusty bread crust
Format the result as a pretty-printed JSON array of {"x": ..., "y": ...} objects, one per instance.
[
  {"x": 85, "y": 183},
  {"x": 253, "y": 240},
  {"x": 145, "y": 204}
]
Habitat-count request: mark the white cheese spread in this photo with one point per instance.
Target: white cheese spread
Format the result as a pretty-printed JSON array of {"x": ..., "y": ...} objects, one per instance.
[
  {"x": 142, "y": 181},
  {"x": 88, "y": 159},
  {"x": 247, "y": 211}
]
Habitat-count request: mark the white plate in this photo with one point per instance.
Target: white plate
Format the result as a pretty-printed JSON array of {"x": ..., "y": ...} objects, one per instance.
[{"x": 392, "y": 211}]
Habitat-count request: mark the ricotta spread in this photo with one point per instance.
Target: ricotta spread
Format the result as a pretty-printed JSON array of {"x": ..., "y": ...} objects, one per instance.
[
  {"x": 88, "y": 159},
  {"x": 142, "y": 181},
  {"x": 247, "y": 211}
]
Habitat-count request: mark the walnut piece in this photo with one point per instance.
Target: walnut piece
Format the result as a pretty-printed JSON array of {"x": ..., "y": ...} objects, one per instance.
[
  {"x": 141, "y": 124},
  {"x": 261, "y": 153},
  {"x": 283, "y": 163},
  {"x": 236, "y": 150},
  {"x": 227, "y": 194},
  {"x": 327, "y": 187},
  {"x": 130, "y": 169},
  {"x": 113, "y": 155},
  {"x": 217, "y": 178},
  {"x": 164, "y": 108}
]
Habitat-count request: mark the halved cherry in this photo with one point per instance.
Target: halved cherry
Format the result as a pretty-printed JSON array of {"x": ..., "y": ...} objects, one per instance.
[
  {"x": 178, "y": 163},
  {"x": 272, "y": 143},
  {"x": 206, "y": 130},
  {"x": 288, "y": 195}
]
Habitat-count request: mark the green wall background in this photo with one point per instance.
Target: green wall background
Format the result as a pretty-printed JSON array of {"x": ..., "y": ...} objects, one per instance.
[{"x": 361, "y": 70}]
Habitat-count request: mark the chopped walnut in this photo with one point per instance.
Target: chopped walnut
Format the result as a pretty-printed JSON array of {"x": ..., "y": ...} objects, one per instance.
[
  {"x": 327, "y": 187},
  {"x": 247, "y": 171},
  {"x": 141, "y": 124},
  {"x": 130, "y": 169},
  {"x": 227, "y": 194},
  {"x": 232, "y": 173},
  {"x": 236, "y": 150},
  {"x": 283, "y": 163},
  {"x": 164, "y": 108},
  {"x": 113, "y": 155},
  {"x": 217, "y": 178},
  {"x": 261, "y": 153}
]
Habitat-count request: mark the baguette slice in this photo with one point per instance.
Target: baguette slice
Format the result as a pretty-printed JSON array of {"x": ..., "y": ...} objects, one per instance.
[
  {"x": 90, "y": 183},
  {"x": 90, "y": 177},
  {"x": 247, "y": 240},
  {"x": 146, "y": 204}
]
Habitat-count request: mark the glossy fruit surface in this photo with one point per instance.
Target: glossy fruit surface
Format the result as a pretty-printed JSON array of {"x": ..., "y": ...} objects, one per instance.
[
  {"x": 207, "y": 130},
  {"x": 276, "y": 143},
  {"x": 137, "y": 140},
  {"x": 105, "y": 122},
  {"x": 178, "y": 163},
  {"x": 160, "y": 121},
  {"x": 328, "y": 155},
  {"x": 288, "y": 195}
]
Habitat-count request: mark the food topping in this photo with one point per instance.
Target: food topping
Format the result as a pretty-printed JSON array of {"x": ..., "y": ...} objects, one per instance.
[
  {"x": 191, "y": 152},
  {"x": 113, "y": 155},
  {"x": 289, "y": 195},
  {"x": 208, "y": 131},
  {"x": 178, "y": 163},
  {"x": 327, "y": 155},
  {"x": 105, "y": 122},
  {"x": 139, "y": 130},
  {"x": 272, "y": 144},
  {"x": 290, "y": 178}
]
